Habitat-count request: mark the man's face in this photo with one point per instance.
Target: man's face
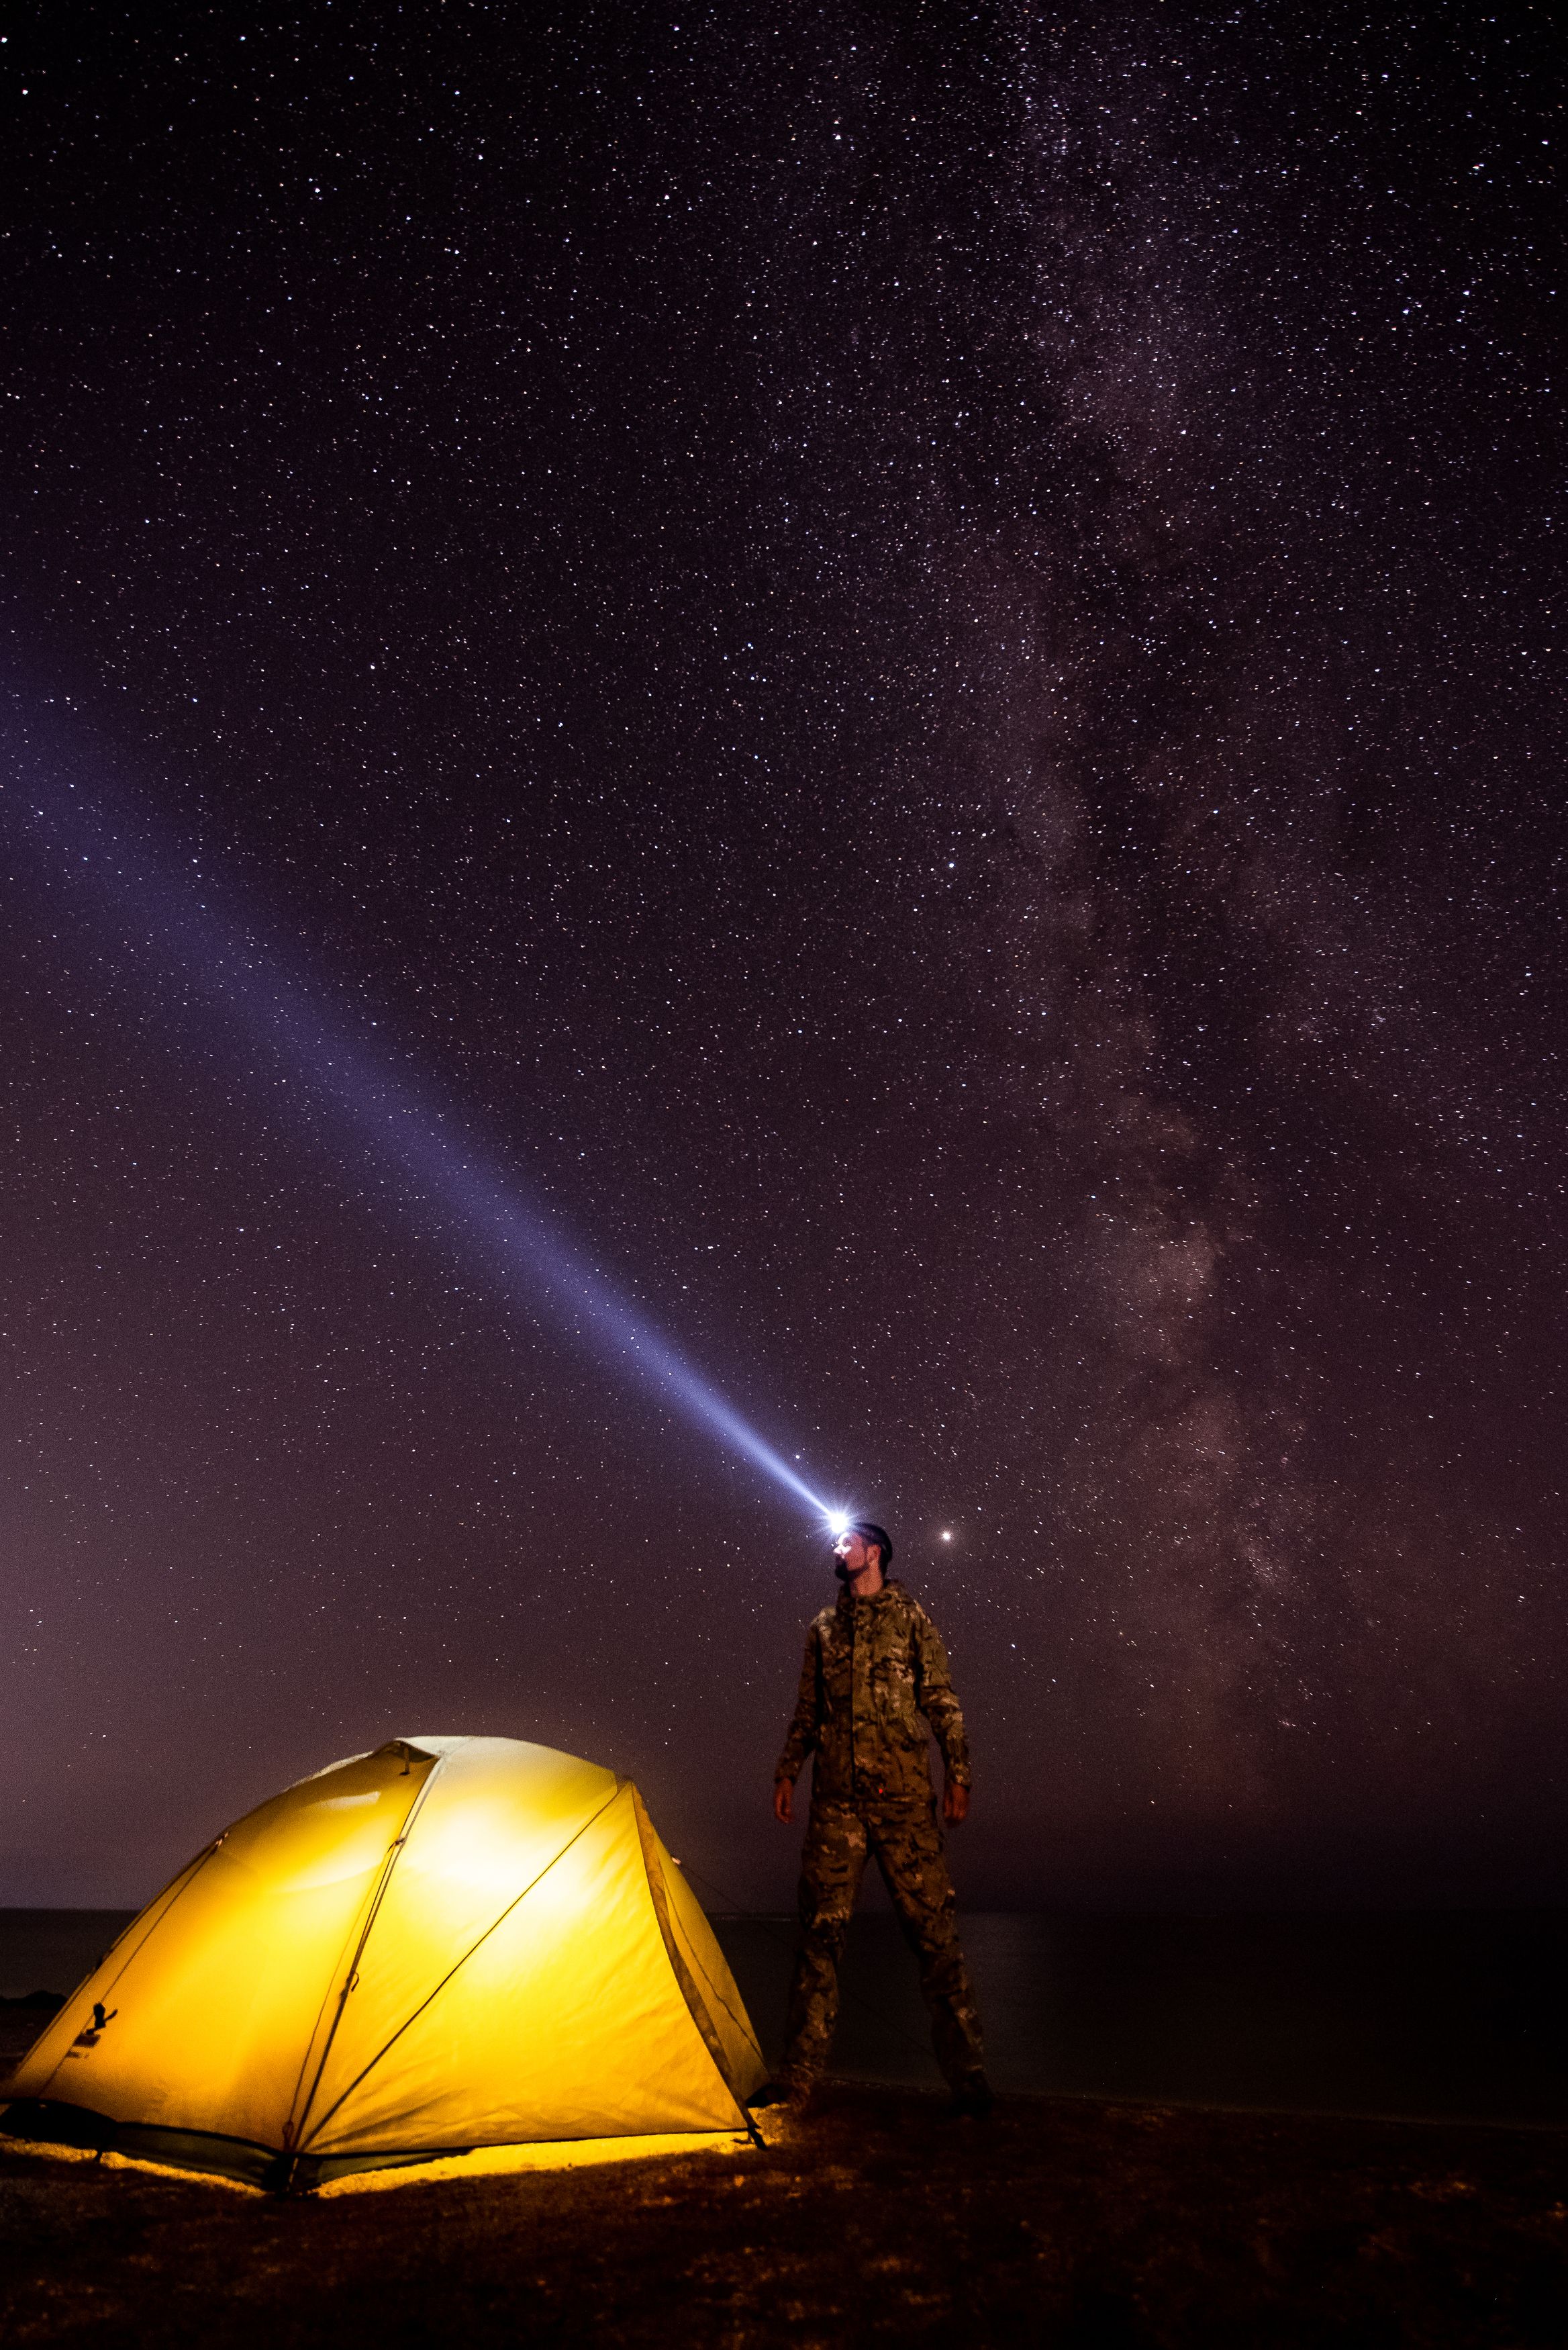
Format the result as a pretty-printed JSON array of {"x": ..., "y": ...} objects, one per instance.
[{"x": 855, "y": 1554}]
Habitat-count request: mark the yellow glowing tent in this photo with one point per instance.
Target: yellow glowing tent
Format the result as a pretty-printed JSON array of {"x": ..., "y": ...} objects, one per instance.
[{"x": 449, "y": 1943}]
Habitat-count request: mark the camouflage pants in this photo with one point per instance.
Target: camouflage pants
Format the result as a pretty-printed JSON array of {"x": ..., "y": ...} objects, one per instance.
[{"x": 908, "y": 1844}]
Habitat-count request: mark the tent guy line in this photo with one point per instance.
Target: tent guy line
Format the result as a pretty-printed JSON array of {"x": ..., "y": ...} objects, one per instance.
[{"x": 165, "y": 915}]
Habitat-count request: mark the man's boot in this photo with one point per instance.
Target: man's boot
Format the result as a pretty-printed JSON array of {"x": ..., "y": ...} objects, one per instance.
[
  {"x": 973, "y": 2100},
  {"x": 791, "y": 2090}
]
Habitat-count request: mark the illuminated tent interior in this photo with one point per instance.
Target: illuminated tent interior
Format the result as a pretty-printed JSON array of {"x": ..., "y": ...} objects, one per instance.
[{"x": 449, "y": 1943}]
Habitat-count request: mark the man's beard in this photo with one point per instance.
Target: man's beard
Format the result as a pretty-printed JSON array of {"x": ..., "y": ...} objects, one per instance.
[{"x": 846, "y": 1574}]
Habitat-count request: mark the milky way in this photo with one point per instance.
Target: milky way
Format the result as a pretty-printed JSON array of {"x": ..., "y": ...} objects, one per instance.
[{"x": 914, "y": 660}]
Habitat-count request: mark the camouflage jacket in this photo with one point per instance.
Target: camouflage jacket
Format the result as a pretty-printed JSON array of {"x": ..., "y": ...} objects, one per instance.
[{"x": 874, "y": 1679}]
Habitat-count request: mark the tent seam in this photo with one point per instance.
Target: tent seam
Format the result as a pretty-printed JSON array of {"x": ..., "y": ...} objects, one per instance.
[
  {"x": 495, "y": 1922},
  {"x": 741, "y": 2022},
  {"x": 685, "y": 1983},
  {"x": 291, "y": 2129},
  {"x": 176, "y": 1886}
]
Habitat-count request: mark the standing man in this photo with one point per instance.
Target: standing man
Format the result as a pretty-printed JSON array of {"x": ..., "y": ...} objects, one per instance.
[{"x": 874, "y": 1683}]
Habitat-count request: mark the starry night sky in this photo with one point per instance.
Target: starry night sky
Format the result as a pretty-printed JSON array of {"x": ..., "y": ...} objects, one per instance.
[{"x": 904, "y": 658}]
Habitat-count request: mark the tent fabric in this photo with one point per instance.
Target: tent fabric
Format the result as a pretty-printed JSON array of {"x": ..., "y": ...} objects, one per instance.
[{"x": 449, "y": 1943}]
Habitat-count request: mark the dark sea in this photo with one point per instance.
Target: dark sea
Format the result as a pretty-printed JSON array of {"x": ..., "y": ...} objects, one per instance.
[{"x": 1456, "y": 2013}]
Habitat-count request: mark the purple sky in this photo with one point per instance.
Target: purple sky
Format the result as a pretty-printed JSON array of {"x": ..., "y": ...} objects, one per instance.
[{"x": 904, "y": 679}]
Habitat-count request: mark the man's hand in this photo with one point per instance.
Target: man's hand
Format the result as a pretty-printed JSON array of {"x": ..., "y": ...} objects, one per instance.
[
  {"x": 784, "y": 1802},
  {"x": 955, "y": 1803}
]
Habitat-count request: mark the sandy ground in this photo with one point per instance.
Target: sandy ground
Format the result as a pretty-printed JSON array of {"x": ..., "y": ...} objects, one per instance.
[{"x": 874, "y": 2218}]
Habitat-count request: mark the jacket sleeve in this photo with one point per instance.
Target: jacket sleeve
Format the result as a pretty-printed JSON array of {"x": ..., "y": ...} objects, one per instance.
[
  {"x": 801, "y": 1736},
  {"x": 934, "y": 1696}
]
